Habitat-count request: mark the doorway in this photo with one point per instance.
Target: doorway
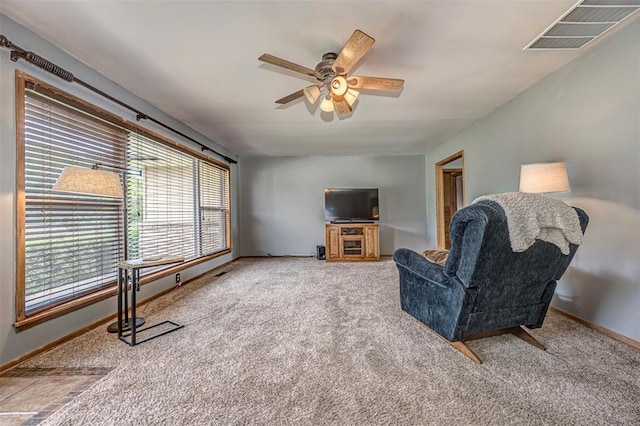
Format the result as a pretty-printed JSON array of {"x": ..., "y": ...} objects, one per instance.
[{"x": 449, "y": 194}]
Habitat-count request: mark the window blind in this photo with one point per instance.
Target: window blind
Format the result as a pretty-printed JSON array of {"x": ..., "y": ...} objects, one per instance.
[
  {"x": 163, "y": 199},
  {"x": 72, "y": 243},
  {"x": 178, "y": 206},
  {"x": 214, "y": 208}
]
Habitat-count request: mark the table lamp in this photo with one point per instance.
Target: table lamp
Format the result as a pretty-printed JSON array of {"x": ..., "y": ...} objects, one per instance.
[
  {"x": 543, "y": 178},
  {"x": 80, "y": 180}
]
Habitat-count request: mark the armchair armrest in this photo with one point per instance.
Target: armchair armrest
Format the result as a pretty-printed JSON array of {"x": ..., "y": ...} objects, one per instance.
[
  {"x": 430, "y": 296},
  {"x": 421, "y": 266}
]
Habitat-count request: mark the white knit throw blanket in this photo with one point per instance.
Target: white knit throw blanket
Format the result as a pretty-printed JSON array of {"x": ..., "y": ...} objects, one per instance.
[{"x": 534, "y": 216}]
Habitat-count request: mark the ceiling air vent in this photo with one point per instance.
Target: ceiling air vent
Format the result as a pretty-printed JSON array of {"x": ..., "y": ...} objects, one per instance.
[{"x": 583, "y": 23}]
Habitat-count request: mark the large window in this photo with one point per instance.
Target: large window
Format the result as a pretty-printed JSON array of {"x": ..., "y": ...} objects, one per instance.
[{"x": 176, "y": 202}]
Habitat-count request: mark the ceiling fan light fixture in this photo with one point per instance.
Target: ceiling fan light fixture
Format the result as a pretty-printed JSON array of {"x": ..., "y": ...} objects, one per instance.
[
  {"x": 351, "y": 96},
  {"x": 327, "y": 104},
  {"x": 312, "y": 93},
  {"x": 339, "y": 86}
]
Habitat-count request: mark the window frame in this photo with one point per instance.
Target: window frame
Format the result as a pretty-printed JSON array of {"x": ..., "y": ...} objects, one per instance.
[{"x": 23, "y": 322}]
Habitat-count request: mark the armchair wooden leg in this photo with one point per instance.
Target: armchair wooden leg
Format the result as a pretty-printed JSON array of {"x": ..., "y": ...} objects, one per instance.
[
  {"x": 466, "y": 351},
  {"x": 460, "y": 346},
  {"x": 524, "y": 335}
]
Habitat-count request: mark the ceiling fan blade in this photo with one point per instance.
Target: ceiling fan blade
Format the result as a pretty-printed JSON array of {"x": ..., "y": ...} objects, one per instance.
[
  {"x": 342, "y": 107},
  {"x": 274, "y": 60},
  {"x": 375, "y": 83},
  {"x": 291, "y": 97},
  {"x": 357, "y": 46}
]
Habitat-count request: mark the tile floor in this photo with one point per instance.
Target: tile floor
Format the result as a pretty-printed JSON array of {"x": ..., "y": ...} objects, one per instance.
[{"x": 30, "y": 395}]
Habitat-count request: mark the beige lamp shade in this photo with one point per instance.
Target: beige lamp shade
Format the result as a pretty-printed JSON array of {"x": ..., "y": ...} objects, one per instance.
[
  {"x": 351, "y": 96},
  {"x": 312, "y": 93},
  {"x": 79, "y": 180},
  {"x": 327, "y": 104},
  {"x": 544, "y": 178}
]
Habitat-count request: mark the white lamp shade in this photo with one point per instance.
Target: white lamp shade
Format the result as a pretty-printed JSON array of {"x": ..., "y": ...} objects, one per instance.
[
  {"x": 351, "y": 96},
  {"x": 79, "y": 180},
  {"x": 312, "y": 93},
  {"x": 544, "y": 178},
  {"x": 327, "y": 104}
]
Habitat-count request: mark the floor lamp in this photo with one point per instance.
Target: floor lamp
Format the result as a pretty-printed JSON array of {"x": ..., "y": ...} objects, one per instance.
[{"x": 94, "y": 181}]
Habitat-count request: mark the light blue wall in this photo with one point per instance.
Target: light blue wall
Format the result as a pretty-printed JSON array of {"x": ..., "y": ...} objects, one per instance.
[
  {"x": 12, "y": 344},
  {"x": 282, "y": 200},
  {"x": 587, "y": 114}
]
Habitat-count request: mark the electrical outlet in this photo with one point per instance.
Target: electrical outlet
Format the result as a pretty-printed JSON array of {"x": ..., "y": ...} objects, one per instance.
[{"x": 178, "y": 278}]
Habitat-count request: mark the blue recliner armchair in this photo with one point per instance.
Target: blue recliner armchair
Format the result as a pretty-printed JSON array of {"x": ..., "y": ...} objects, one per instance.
[{"x": 484, "y": 288}]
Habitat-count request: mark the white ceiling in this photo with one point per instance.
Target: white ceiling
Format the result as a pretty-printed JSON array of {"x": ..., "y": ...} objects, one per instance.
[{"x": 198, "y": 62}]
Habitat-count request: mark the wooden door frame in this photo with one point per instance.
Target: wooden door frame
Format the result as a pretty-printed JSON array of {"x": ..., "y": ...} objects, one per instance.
[{"x": 440, "y": 194}]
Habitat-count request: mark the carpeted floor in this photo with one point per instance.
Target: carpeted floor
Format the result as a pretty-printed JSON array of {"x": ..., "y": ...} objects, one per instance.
[{"x": 300, "y": 341}]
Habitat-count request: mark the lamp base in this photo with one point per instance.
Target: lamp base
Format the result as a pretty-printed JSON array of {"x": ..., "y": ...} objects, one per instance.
[{"x": 113, "y": 328}]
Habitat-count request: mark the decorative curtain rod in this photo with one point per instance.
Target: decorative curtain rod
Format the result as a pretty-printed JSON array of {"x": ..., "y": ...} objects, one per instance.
[{"x": 39, "y": 61}]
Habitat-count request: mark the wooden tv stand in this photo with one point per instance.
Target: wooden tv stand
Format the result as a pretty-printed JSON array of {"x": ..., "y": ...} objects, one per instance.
[{"x": 352, "y": 242}]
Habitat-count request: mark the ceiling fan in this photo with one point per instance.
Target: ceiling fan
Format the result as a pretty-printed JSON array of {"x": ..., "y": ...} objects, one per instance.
[{"x": 335, "y": 88}]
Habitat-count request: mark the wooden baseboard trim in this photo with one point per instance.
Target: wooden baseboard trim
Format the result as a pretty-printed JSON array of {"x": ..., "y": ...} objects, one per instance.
[
  {"x": 614, "y": 335},
  {"x": 14, "y": 363}
]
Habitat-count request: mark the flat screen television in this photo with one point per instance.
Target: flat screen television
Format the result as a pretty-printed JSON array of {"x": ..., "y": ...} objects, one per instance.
[{"x": 351, "y": 204}]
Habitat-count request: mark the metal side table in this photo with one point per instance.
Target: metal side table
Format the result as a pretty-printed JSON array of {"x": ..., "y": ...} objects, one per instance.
[{"x": 131, "y": 269}]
